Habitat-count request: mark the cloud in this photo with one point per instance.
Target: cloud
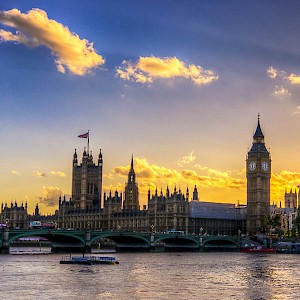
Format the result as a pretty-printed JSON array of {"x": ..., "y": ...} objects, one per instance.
[
  {"x": 186, "y": 160},
  {"x": 34, "y": 29},
  {"x": 294, "y": 79},
  {"x": 282, "y": 181},
  {"x": 50, "y": 196},
  {"x": 58, "y": 173},
  {"x": 147, "y": 69},
  {"x": 39, "y": 174},
  {"x": 272, "y": 72},
  {"x": 281, "y": 74},
  {"x": 145, "y": 170},
  {"x": 151, "y": 175},
  {"x": 113, "y": 187},
  {"x": 281, "y": 91},
  {"x": 297, "y": 111},
  {"x": 282, "y": 77},
  {"x": 15, "y": 172},
  {"x": 213, "y": 180}
]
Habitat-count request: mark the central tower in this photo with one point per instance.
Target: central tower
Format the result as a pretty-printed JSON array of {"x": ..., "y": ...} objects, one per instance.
[
  {"x": 258, "y": 170},
  {"x": 87, "y": 182},
  {"x": 131, "y": 201}
]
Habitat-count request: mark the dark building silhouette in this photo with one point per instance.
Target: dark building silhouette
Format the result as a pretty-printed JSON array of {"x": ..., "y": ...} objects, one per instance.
[
  {"x": 131, "y": 201},
  {"x": 258, "y": 170},
  {"x": 87, "y": 182}
]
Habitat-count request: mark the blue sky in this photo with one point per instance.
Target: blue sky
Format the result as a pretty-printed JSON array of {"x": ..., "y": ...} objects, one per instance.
[{"x": 201, "y": 71}]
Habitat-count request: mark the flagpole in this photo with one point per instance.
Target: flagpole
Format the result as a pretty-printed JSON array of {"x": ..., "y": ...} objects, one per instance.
[{"x": 88, "y": 143}]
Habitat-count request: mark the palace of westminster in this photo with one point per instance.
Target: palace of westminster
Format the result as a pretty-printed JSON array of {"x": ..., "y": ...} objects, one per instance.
[{"x": 170, "y": 210}]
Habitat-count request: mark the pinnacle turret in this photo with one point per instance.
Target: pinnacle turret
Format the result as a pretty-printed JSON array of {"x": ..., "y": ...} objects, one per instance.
[
  {"x": 258, "y": 135},
  {"x": 131, "y": 174},
  {"x": 258, "y": 140}
]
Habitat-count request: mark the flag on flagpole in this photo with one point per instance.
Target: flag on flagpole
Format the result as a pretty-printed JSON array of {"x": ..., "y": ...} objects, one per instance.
[{"x": 84, "y": 136}]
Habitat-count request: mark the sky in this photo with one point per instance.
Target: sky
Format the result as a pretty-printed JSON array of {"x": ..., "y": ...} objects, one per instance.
[{"x": 178, "y": 84}]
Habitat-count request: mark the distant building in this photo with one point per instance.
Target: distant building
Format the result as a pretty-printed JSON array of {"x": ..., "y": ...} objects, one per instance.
[
  {"x": 216, "y": 218},
  {"x": 288, "y": 213},
  {"x": 290, "y": 200},
  {"x": 14, "y": 216}
]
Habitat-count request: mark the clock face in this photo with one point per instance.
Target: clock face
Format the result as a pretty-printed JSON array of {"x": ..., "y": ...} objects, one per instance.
[
  {"x": 265, "y": 165},
  {"x": 252, "y": 165}
]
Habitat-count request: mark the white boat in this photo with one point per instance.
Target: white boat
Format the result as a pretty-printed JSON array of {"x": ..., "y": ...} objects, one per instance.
[{"x": 89, "y": 260}]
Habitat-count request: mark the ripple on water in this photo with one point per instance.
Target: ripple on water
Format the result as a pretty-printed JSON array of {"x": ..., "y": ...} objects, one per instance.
[{"x": 234, "y": 276}]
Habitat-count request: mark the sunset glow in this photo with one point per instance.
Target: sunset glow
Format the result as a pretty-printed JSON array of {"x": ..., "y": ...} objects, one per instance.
[{"x": 178, "y": 85}]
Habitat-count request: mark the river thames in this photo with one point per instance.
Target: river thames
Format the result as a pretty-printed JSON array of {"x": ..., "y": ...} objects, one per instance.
[{"x": 160, "y": 276}]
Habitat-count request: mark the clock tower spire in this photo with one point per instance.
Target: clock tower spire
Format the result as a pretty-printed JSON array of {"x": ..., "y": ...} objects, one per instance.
[{"x": 258, "y": 171}]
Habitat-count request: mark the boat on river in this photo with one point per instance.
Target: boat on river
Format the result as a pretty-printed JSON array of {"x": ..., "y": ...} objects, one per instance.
[
  {"x": 89, "y": 260},
  {"x": 258, "y": 249},
  {"x": 288, "y": 248}
]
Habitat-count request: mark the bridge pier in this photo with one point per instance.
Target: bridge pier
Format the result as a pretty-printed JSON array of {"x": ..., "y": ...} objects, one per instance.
[
  {"x": 201, "y": 247},
  {"x": 5, "y": 242},
  {"x": 4, "y": 250},
  {"x": 152, "y": 244},
  {"x": 87, "y": 247}
]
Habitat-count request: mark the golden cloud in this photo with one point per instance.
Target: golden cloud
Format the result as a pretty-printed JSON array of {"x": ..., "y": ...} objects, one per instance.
[
  {"x": 39, "y": 174},
  {"x": 188, "y": 159},
  {"x": 217, "y": 183},
  {"x": 149, "y": 68},
  {"x": 36, "y": 29},
  {"x": 282, "y": 76},
  {"x": 281, "y": 91},
  {"x": 50, "y": 196},
  {"x": 297, "y": 111},
  {"x": 58, "y": 173},
  {"x": 151, "y": 176},
  {"x": 282, "y": 181},
  {"x": 272, "y": 72},
  {"x": 113, "y": 187},
  {"x": 15, "y": 172},
  {"x": 294, "y": 79}
]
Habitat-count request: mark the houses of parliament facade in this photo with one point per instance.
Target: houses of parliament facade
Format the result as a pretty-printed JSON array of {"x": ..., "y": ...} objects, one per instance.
[
  {"x": 118, "y": 211},
  {"x": 91, "y": 208}
]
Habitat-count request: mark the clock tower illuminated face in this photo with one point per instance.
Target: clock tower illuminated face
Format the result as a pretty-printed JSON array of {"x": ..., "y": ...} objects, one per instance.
[
  {"x": 265, "y": 166},
  {"x": 252, "y": 165},
  {"x": 258, "y": 183}
]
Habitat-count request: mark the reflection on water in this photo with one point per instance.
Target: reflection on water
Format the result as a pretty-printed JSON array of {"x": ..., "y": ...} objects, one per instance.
[{"x": 153, "y": 276}]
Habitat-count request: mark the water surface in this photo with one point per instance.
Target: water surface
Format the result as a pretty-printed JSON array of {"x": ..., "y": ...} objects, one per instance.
[{"x": 153, "y": 276}]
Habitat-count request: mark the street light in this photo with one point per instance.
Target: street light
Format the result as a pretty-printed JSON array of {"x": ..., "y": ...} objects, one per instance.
[
  {"x": 152, "y": 227},
  {"x": 201, "y": 230}
]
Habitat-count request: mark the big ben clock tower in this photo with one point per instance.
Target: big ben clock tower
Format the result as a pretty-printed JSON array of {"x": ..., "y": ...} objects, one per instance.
[{"x": 258, "y": 170}]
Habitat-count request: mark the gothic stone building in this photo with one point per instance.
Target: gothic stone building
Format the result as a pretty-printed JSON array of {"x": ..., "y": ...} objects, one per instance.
[
  {"x": 84, "y": 209},
  {"x": 258, "y": 170},
  {"x": 14, "y": 216}
]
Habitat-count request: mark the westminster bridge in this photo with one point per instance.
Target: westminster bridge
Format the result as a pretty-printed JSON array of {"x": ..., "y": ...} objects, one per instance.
[{"x": 84, "y": 240}]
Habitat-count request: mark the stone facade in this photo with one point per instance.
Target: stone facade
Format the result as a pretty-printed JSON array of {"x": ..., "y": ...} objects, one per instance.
[
  {"x": 169, "y": 211},
  {"x": 14, "y": 216},
  {"x": 87, "y": 182},
  {"x": 258, "y": 171}
]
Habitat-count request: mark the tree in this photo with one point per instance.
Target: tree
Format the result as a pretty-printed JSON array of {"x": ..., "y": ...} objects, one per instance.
[
  {"x": 297, "y": 221},
  {"x": 273, "y": 221}
]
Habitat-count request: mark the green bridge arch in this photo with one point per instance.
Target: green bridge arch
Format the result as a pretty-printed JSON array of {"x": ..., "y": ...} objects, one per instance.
[
  {"x": 137, "y": 239},
  {"x": 221, "y": 242},
  {"x": 188, "y": 241},
  {"x": 51, "y": 235},
  {"x": 125, "y": 240}
]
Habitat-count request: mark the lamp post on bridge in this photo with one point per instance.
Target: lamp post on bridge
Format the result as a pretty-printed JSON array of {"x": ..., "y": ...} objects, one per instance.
[
  {"x": 201, "y": 239},
  {"x": 239, "y": 238},
  {"x": 152, "y": 246}
]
